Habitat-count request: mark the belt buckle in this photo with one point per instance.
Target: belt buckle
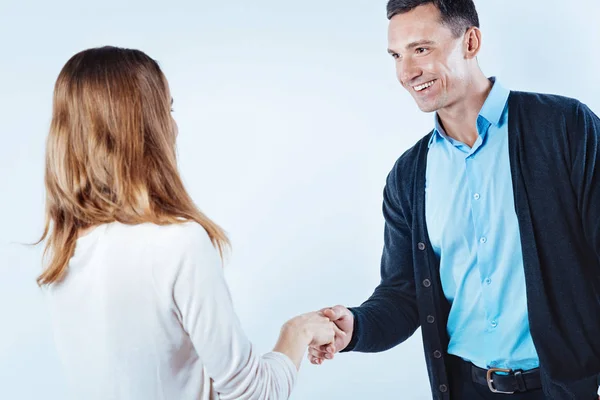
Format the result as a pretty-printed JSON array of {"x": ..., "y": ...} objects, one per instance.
[{"x": 490, "y": 381}]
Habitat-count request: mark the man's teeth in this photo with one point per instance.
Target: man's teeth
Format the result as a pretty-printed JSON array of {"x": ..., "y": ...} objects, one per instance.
[{"x": 424, "y": 86}]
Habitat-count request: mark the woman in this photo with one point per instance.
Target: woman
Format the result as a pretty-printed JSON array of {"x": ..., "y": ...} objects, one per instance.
[{"x": 140, "y": 306}]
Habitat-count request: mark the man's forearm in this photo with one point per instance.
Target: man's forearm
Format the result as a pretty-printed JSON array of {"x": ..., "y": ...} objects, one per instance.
[{"x": 385, "y": 320}]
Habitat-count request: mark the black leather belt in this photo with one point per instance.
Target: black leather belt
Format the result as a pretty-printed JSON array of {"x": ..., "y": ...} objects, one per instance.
[{"x": 506, "y": 381}]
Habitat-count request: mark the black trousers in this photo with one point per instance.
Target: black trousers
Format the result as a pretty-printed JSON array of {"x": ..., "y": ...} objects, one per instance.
[{"x": 462, "y": 386}]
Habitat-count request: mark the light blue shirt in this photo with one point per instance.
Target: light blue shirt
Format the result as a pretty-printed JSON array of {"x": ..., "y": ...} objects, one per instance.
[{"x": 474, "y": 231}]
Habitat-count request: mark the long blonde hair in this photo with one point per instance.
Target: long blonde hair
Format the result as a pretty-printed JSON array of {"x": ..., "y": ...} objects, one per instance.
[{"x": 110, "y": 154}]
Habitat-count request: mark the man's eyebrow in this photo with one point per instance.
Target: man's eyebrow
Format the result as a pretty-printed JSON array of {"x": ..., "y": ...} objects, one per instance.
[
  {"x": 419, "y": 43},
  {"x": 412, "y": 45}
]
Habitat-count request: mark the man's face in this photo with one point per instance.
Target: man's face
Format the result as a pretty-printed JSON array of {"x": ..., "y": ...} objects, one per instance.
[{"x": 430, "y": 60}]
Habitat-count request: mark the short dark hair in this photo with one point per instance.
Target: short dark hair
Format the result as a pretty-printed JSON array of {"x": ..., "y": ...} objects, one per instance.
[{"x": 458, "y": 15}]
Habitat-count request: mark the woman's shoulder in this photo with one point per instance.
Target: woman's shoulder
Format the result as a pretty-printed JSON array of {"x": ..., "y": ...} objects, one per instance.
[
  {"x": 175, "y": 238},
  {"x": 169, "y": 250}
]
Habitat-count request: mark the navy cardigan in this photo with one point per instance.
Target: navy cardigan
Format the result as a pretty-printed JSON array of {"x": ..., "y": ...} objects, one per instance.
[{"x": 554, "y": 150}]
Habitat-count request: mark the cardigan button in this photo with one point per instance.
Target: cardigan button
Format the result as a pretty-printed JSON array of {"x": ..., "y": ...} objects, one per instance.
[
  {"x": 437, "y": 354},
  {"x": 421, "y": 246},
  {"x": 426, "y": 283},
  {"x": 430, "y": 319},
  {"x": 443, "y": 388}
]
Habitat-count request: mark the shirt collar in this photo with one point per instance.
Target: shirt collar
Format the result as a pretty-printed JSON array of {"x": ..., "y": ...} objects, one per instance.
[{"x": 491, "y": 111}]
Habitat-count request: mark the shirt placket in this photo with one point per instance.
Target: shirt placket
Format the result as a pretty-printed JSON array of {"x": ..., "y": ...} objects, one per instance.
[{"x": 483, "y": 234}]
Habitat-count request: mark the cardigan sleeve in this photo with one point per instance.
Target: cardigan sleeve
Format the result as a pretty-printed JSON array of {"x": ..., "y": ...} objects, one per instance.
[
  {"x": 585, "y": 173},
  {"x": 390, "y": 315}
]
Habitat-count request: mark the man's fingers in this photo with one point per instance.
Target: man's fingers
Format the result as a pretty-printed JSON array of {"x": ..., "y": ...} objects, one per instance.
[
  {"x": 335, "y": 313},
  {"x": 338, "y": 331},
  {"x": 327, "y": 348},
  {"x": 312, "y": 352},
  {"x": 315, "y": 360},
  {"x": 330, "y": 313},
  {"x": 315, "y": 353}
]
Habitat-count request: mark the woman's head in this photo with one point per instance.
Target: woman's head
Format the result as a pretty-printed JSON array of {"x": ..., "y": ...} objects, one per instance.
[{"x": 111, "y": 152}]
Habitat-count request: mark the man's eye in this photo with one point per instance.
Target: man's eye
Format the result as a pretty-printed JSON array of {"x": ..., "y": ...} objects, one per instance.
[
  {"x": 421, "y": 50},
  {"x": 395, "y": 55}
]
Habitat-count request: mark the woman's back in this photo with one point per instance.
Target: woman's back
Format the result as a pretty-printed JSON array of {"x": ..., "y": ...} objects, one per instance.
[
  {"x": 141, "y": 308},
  {"x": 144, "y": 313}
]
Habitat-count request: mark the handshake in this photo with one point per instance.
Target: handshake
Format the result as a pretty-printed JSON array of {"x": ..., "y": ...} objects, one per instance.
[{"x": 325, "y": 332}]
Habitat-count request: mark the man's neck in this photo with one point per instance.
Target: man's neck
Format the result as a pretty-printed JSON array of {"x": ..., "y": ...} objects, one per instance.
[{"x": 460, "y": 119}]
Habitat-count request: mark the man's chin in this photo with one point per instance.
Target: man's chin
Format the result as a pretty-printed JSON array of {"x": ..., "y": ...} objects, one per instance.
[{"x": 427, "y": 108}]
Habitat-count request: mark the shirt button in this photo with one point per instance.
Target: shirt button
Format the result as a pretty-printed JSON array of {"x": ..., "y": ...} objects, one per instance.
[
  {"x": 443, "y": 388},
  {"x": 488, "y": 281},
  {"x": 494, "y": 324},
  {"x": 476, "y": 196},
  {"x": 426, "y": 283},
  {"x": 437, "y": 354},
  {"x": 483, "y": 239},
  {"x": 430, "y": 319},
  {"x": 421, "y": 246}
]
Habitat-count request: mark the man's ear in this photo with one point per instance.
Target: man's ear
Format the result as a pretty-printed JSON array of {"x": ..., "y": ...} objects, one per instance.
[{"x": 472, "y": 42}]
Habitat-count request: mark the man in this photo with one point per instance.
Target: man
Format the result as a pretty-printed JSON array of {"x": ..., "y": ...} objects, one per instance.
[{"x": 492, "y": 234}]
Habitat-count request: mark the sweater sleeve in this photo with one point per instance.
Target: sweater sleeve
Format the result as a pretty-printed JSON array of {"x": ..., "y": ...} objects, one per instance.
[
  {"x": 390, "y": 315},
  {"x": 585, "y": 173},
  {"x": 206, "y": 312}
]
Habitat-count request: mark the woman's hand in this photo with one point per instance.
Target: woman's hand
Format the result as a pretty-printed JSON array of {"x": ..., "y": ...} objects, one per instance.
[
  {"x": 344, "y": 321},
  {"x": 317, "y": 327},
  {"x": 310, "y": 329}
]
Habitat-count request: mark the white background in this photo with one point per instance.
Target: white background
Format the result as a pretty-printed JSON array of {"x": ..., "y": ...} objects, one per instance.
[{"x": 290, "y": 118}]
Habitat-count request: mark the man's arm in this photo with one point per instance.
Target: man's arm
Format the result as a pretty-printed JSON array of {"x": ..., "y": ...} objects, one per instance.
[
  {"x": 390, "y": 315},
  {"x": 585, "y": 173}
]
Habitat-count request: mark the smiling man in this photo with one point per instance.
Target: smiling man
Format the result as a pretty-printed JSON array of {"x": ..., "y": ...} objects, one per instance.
[{"x": 492, "y": 234}]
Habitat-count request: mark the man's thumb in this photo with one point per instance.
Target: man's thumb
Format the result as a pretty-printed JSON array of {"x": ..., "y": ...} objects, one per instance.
[
  {"x": 334, "y": 313},
  {"x": 330, "y": 313}
]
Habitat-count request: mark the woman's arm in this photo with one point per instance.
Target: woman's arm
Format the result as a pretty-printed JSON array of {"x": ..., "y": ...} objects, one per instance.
[{"x": 203, "y": 304}]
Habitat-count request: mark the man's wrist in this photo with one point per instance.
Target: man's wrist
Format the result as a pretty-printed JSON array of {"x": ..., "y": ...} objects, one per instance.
[{"x": 355, "y": 334}]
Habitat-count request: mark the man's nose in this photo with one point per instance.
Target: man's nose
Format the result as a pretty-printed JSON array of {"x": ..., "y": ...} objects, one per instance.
[{"x": 408, "y": 71}]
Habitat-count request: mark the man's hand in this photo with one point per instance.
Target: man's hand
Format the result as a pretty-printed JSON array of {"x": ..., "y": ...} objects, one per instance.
[{"x": 344, "y": 320}]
